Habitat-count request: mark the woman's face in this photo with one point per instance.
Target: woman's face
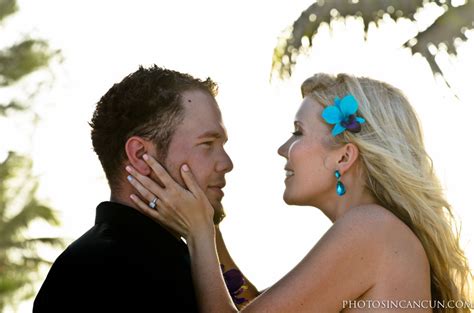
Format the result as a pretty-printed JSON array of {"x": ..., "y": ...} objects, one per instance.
[{"x": 310, "y": 162}]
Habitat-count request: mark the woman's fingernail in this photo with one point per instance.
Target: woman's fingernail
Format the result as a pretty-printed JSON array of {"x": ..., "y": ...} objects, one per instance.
[
  {"x": 133, "y": 197},
  {"x": 128, "y": 168},
  {"x": 145, "y": 157},
  {"x": 185, "y": 168},
  {"x": 129, "y": 177}
]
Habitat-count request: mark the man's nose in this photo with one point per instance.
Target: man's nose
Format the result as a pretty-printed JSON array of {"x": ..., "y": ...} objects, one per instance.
[{"x": 225, "y": 164}]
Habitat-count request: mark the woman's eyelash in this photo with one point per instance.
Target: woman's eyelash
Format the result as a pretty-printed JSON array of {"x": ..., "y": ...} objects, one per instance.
[{"x": 297, "y": 133}]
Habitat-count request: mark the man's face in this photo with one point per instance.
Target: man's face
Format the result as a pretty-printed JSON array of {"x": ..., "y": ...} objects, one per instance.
[{"x": 199, "y": 142}]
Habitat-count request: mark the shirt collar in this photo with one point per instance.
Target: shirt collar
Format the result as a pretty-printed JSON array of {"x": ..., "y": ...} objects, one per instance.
[{"x": 131, "y": 221}]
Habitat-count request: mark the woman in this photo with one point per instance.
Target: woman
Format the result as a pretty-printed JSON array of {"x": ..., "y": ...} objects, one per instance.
[{"x": 357, "y": 154}]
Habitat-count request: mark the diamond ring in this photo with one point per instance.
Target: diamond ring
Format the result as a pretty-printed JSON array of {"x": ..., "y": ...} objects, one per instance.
[{"x": 152, "y": 203}]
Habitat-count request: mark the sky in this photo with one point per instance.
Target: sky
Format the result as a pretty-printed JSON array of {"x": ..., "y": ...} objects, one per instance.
[{"x": 232, "y": 42}]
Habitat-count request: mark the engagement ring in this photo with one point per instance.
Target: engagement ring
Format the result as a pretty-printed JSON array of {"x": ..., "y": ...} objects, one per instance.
[{"x": 152, "y": 203}]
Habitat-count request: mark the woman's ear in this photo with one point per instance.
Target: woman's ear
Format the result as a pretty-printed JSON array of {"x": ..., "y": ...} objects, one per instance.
[
  {"x": 349, "y": 154},
  {"x": 135, "y": 148}
]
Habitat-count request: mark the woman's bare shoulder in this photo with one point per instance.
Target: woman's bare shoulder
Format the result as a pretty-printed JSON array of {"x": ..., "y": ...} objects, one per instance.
[
  {"x": 372, "y": 217},
  {"x": 368, "y": 213},
  {"x": 399, "y": 258},
  {"x": 345, "y": 264},
  {"x": 379, "y": 224},
  {"x": 368, "y": 222}
]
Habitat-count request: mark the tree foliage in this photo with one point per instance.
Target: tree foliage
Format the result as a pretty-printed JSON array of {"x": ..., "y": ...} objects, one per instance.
[
  {"x": 445, "y": 29},
  {"x": 19, "y": 258},
  {"x": 19, "y": 207}
]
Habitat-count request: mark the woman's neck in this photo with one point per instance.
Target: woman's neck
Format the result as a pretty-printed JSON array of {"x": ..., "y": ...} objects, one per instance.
[{"x": 337, "y": 207}]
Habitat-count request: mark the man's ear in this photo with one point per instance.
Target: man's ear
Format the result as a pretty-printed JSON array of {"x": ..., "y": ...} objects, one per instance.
[
  {"x": 349, "y": 154},
  {"x": 135, "y": 148}
]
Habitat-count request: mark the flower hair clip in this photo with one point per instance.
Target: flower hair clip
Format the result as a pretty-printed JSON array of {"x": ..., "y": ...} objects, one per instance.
[{"x": 342, "y": 114}]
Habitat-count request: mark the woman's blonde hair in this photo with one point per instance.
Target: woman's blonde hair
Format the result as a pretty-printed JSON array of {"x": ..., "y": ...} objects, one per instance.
[{"x": 400, "y": 175}]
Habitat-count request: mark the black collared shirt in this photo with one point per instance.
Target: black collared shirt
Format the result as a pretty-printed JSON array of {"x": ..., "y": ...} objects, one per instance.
[{"x": 125, "y": 263}]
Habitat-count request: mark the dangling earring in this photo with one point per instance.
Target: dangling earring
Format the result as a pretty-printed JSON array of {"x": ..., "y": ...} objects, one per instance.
[{"x": 340, "y": 188}]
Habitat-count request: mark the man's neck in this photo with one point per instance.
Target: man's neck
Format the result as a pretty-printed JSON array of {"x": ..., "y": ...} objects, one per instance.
[{"x": 128, "y": 202}]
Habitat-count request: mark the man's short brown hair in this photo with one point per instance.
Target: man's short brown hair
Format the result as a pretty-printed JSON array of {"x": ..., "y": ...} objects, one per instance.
[{"x": 146, "y": 103}]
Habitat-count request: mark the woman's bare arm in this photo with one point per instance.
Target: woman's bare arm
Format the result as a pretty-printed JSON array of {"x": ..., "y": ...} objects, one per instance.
[{"x": 341, "y": 267}]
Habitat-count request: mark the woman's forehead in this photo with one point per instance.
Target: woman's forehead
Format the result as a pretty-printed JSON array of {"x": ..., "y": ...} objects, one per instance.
[{"x": 309, "y": 109}]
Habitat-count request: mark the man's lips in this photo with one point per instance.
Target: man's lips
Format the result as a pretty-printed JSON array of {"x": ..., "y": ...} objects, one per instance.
[
  {"x": 217, "y": 190},
  {"x": 218, "y": 185}
]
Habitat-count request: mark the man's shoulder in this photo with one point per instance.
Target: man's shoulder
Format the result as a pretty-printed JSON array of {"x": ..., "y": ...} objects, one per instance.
[
  {"x": 106, "y": 263},
  {"x": 91, "y": 245},
  {"x": 105, "y": 245}
]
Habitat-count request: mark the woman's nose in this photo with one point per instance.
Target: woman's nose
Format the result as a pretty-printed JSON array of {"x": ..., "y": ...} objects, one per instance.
[{"x": 283, "y": 150}]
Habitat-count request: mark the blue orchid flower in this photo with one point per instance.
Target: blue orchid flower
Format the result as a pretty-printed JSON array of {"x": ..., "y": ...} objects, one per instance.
[{"x": 342, "y": 114}]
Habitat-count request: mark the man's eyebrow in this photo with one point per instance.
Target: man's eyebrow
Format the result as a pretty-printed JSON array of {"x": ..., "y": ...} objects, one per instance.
[
  {"x": 210, "y": 134},
  {"x": 214, "y": 134}
]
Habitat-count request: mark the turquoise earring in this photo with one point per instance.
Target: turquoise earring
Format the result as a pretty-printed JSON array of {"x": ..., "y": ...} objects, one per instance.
[{"x": 340, "y": 188}]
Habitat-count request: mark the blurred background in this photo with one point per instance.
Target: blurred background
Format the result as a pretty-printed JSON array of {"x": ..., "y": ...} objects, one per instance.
[{"x": 57, "y": 58}]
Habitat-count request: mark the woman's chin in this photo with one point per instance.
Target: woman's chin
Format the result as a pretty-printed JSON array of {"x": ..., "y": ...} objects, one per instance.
[
  {"x": 292, "y": 198},
  {"x": 289, "y": 198}
]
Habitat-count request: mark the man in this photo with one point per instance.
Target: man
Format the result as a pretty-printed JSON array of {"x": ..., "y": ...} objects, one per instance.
[{"x": 126, "y": 262}]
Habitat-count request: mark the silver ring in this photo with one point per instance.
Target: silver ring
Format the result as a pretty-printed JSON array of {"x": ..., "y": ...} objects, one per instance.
[{"x": 152, "y": 203}]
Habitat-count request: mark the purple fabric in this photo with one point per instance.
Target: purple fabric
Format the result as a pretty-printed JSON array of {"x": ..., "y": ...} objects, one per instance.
[{"x": 234, "y": 281}]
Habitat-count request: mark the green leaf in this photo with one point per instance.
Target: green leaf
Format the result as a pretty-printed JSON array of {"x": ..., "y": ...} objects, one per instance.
[
  {"x": 7, "y": 7},
  {"x": 22, "y": 59}
]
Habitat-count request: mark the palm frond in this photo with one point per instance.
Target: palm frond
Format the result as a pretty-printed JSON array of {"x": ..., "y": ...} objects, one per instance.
[
  {"x": 8, "y": 169},
  {"x": 11, "y": 283},
  {"x": 7, "y": 7},
  {"x": 32, "y": 211},
  {"x": 449, "y": 27},
  {"x": 12, "y": 106},
  {"x": 23, "y": 58},
  {"x": 323, "y": 12},
  {"x": 50, "y": 241},
  {"x": 30, "y": 243},
  {"x": 20, "y": 259},
  {"x": 14, "y": 286},
  {"x": 27, "y": 265},
  {"x": 34, "y": 261}
]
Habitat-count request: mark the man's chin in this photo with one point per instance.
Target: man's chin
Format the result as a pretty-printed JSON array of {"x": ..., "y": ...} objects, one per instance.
[{"x": 219, "y": 213}]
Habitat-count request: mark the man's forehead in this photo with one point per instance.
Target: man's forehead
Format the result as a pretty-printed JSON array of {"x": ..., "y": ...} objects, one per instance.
[
  {"x": 202, "y": 116},
  {"x": 197, "y": 102},
  {"x": 196, "y": 95},
  {"x": 200, "y": 126}
]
